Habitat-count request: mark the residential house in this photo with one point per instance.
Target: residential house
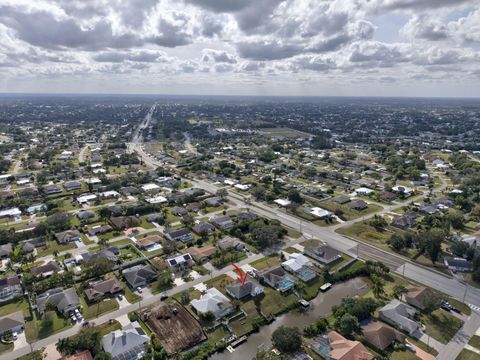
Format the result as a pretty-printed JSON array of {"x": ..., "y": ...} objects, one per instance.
[
  {"x": 404, "y": 222},
  {"x": 418, "y": 297},
  {"x": 46, "y": 270},
  {"x": 322, "y": 253},
  {"x": 222, "y": 222},
  {"x": 318, "y": 212},
  {"x": 179, "y": 211},
  {"x": 339, "y": 348},
  {"x": 65, "y": 300},
  {"x": 246, "y": 216},
  {"x": 180, "y": 263},
  {"x": 102, "y": 288},
  {"x": 109, "y": 253},
  {"x": 213, "y": 301},
  {"x": 65, "y": 237},
  {"x": 12, "y": 323},
  {"x": 213, "y": 201},
  {"x": 403, "y": 190},
  {"x": 457, "y": 264},
  {"x": 400, "y": 316},
  {"x": 429, "y": 209},
  {"x": 85, "y": 214},
  {"x": 5, "y": 251},
  {"x": 10, "y": 288},
  {"x": 127, "y": 343},
  {"x": 341, "y": 200},
  {"x": 98, "y": 229},
  {"x": 202, "y": 254},
  {"x": 239, "y": 291},
  {"x": 228, "y": 243},
  {"x": 381, "y": 335},
  {"x": 52, "y": 189},
  {"x": 148, "y": 241},
  {"x": 278, "y": 279},
  {"x": 72, "y": 185},
  {"x": 202, "y": 227},
  {"x": 358, "y": 204},
  {"x": 387, "y": 196},
  {"x": 364, "y": 191},
  {"x": 129, "y": 190},
  {"x": 182, "y": 234},
  {"x": 124, "y": 222},
  {"x": 139, "y": 275},
  {"x": 299, "y": 265},
  {"x": 194, "y": 207}
]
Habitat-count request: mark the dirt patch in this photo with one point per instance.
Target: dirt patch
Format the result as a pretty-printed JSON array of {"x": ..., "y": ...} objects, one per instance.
[{"x": 174, "y": 326}]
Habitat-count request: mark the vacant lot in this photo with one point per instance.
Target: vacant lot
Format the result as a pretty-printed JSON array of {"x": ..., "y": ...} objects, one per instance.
[
  {"x": 174, "y": 326},
  {"x": 285, "y": 132},
  {"x": 441, "y": 325}
]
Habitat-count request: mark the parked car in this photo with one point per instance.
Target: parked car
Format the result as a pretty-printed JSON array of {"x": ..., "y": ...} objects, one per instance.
[
  {"x": 410, "y": 347},
  {"x": 14, "y": 336},
  {"x": 139, "y": 289},
  {"x": 74, "y": 319},
  {"x": 163, "y": 297},
  {"x": 119, "y": 296}
]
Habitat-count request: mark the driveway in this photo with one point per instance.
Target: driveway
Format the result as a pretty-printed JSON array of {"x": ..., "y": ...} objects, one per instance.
[
  {"x": 421, "y": 353},
  {"x": 21, "y": 341},
  {"x": 122, "y": 303},
  {"x": 123, "y": 320}
]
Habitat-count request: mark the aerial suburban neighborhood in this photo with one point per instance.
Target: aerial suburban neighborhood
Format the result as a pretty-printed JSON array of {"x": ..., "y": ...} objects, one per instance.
[
  {"x": 239, "y": 179},
  {"x": 119, "y": 234}
]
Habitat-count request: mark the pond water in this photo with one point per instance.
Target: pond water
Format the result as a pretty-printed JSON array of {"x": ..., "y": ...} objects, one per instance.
[{"x": 321, "y": 306}]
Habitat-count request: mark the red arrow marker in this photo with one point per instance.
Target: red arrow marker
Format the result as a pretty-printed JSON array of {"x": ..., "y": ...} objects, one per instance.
[{"x": 241, "y": 275}]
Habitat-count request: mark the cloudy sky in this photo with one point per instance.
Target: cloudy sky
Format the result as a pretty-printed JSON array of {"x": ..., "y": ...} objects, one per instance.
[{"x": 244, "y": 47}]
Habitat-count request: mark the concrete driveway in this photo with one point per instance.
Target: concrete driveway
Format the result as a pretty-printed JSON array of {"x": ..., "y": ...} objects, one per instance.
[
  {"x": 21, "y": 341},
  {"x": 422, "y": 354}
]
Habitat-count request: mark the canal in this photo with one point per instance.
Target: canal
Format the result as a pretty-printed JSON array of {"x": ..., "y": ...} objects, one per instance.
[{"x": 320, "y": 306}]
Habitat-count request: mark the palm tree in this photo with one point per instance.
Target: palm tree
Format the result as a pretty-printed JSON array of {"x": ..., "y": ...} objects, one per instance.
[{"x": 377, "y": 286}]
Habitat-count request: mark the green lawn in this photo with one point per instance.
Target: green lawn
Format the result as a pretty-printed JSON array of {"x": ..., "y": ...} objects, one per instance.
[
  {"x": 20, "y": 304},
  {"x": 349, "y": 214},
  {"x": 475, "y": 341},
  {"x": 53, "y": 246},
  {"x": 460, "y": 306},
  {"x": 129, "y": 294},
  {"x": 403, "y": 355},
  {"x": 95, "y": 310},
  {"x": 266, "y": 262},
  {"x": 468, "y": 355},
  {"x": 441, "y": 325},
  {"x": 5, "y": 347},
  {"x": 48, "y": 325}
]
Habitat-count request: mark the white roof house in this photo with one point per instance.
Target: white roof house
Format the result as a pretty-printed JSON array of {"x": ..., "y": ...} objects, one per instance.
[
  {"x": 319, "y": 212},
  {"x": 10, "y": 212},
  {"x": 150, "y": 187},
  {"x": 230, "y": 182},
  {"x": 111, "y": 193},
  {"x": 364, "y": 191},
  {"x": 156, "y": 200},
  {"x": 242, "y": 187},
  {"x": 402, "y": 189},
  {"x": 296, "y": 262},
  {"x": 23, "y": 181},
  {"x": 213, "y": 301},
  {"x": 282, "y": 202},
  {"x": 99, "y": 171},
  {"x": 94, "y": 181},
  {"x": 86, "y": 198}
]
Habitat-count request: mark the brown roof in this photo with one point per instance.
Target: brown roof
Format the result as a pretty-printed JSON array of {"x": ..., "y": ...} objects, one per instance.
[
  {"x": 343, "y": 349},
  {"x": 417, "y": 296},
  {"x": 381, "y": 335},
  {"x": 203, "y": 251},
  {"x": 51, "y": 266},
  {"x": 99, "y": 289},
  {"x": 84, "y": 355},
  {"x": 148, "y": 240}
]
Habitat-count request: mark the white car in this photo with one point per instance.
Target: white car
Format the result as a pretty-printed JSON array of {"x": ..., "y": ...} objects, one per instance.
[
  {"x": 139, "y": 289},
  {"x": 74, "y": 319},
  {"x": 14, "y": 336}
]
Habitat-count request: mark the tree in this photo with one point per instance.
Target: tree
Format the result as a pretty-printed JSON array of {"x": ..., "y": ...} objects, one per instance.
[
  {"x": 398, "y": 291},
  {"x": 456, "y": 218},
  {"x": 223, "y": 193},
  {"x": 165, "y": 279},
  {"x": 396, "y": 242},
  {"x": 378, "y": 222},
  {"x": 287, "y": 339},
  {"x": 102, "y": 355},
  {"x": 187, "y": 220},
  {"x": 98, "y": 266},
  {"x": 347, "y": 325},
  {"x": 294, "y": 196},
  {"x": 378, "y": 285}
]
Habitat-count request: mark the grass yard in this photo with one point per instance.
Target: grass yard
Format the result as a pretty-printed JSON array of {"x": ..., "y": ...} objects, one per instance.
[
  {"x": 460, "y": 306},
  {"x": 217, "y": 335},
  {"x": 350, "y": 214},
  {"x": 53, "y": 246},
  {"x": 364, "y": 232},
  {"x": 475, "y": 341},
  {"x": 95, "y": 310},
  {"x": 292, "y": 232},
  {"x": 339, "y": 263},
  {"x": 10, "y": 308},
  {"x": 403, "y": 355},
  {"x": 285, "y": 132},
  {"x": 5, "y": 347},
  {"x": 441, "y": 325},
  {"x": 48, "y": 325},
  {"x": 266, "y": 262},
  {"x": 468, "y": 355}
]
